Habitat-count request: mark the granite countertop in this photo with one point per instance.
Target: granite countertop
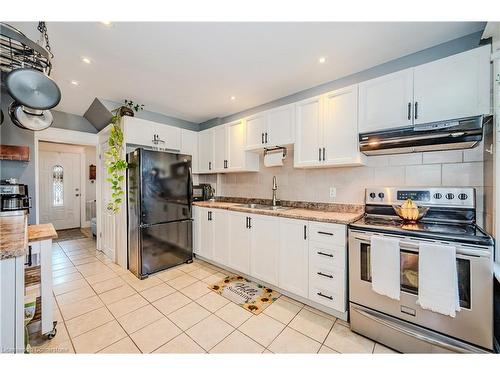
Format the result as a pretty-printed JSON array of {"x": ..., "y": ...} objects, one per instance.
[
  {"x": 41, "y": 232},
  {"x": 13, "y": 234},
  {"x": 322, "y": 212}
]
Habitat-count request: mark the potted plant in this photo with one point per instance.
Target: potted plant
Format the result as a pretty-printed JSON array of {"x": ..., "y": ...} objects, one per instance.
[{"x": 115, "y": 163}]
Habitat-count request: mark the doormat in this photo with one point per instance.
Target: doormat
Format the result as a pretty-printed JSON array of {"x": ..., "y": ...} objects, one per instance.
[{"x": 248, "y": 294}]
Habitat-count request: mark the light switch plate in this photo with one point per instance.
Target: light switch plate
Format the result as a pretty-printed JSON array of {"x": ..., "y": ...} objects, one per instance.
[{"x": 333, "y": 192}]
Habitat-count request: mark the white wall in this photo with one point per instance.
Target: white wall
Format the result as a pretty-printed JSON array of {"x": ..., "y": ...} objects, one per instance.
[{"x": 442, "y": 168}]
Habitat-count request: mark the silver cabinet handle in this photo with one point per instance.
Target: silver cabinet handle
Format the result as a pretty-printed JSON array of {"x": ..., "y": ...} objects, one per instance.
[{"x": 325, "y": 296}]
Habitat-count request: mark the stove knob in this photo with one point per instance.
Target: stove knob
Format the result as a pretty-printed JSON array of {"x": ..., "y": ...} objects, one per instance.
[
  {"x": 450, "y": 196},
  {"x": 438, "y": 196},
  {"x": 462, "y": 196},
  {"x": 381, "y": 195},
  {"x": 372, "y": 195}
]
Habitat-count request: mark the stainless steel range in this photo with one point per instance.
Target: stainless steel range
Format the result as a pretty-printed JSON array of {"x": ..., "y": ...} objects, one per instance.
[{"x": 404, "y": 325}]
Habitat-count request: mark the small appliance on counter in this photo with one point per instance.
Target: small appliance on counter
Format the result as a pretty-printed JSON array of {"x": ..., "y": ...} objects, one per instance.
[
  {"x": 202, "y": 192},
  {"x": 14, "y": 196}
]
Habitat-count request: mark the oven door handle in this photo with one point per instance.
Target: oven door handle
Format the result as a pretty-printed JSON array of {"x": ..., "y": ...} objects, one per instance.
[
  {"x": 413, "y": 246},
  {"x": 379, "y": 318}
]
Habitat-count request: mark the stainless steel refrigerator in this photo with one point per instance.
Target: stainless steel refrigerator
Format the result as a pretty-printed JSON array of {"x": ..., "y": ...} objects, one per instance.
[{"x": 159, "y": 197}]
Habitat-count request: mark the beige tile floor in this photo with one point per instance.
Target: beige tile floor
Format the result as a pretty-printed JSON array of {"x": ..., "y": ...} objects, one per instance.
[{"x": 102, "y": 308}]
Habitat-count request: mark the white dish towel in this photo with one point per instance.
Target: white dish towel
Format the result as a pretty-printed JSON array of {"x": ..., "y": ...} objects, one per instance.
[
  {"x": 438, "y": 279},
  {"x": 385, "y": 266}
]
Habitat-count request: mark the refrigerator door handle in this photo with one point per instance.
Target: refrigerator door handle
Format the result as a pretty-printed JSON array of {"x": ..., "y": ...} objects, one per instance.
[{"x": 190, "y": 187}]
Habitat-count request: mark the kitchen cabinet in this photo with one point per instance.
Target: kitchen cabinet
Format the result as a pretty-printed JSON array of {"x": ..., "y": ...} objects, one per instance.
[
  {"x": 453, "y": 87},
  {"x": 294, "y": 256},
  {"x": 220, "y": 148},
  {"x": 327, "y": 130},
  {"x": 239, "y": 242},
  {"x": 220, "y": 223},
  {"x": 205, "y": 231},
  {"x": 271, "y": 128},
  {"x": 206, "y": 151},
  {"x": 150, "y": 134},
  {"x": 386, "y": 102},
  {"x": 189, "y": 146},
  {"x": 264, "y": 248}
]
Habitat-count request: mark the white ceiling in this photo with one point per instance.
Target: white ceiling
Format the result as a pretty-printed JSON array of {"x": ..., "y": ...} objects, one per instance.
[{"x": 190, "y": 70}]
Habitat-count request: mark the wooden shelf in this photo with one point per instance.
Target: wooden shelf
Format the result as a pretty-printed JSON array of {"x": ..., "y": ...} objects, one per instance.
[{"x": 21, "y": 153}]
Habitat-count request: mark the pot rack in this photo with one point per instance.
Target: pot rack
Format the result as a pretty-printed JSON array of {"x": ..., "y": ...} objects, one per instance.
[{"x": 18, "y": 51}]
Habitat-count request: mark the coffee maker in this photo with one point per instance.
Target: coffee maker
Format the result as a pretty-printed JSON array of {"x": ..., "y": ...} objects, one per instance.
[{"x": 14, "y": 196}]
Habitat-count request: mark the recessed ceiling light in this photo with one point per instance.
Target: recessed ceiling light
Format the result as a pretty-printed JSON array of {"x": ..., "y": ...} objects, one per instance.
[
  {"x": 233, "y": 98},
  {"x": 106, "y": 23},
  {"x": 86, "y": 60},
  {"x": 322, "y": 60},
  {"x": 75, "y": 83}
]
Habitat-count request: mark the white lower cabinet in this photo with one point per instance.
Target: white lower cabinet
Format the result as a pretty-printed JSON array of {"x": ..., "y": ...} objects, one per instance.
[
  {"x": 306, "y": 259},
  {"x": 294, "y": 256},
  {"x": 264, "y": 248},
  {"x": 239, "y": 242}
]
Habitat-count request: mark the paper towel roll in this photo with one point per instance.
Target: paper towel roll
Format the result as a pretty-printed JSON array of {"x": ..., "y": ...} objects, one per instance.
[{"x": 273, "y": 159}]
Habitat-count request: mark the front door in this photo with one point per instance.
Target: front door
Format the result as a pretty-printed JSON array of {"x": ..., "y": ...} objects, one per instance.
[{"x": 60, "y": 193}]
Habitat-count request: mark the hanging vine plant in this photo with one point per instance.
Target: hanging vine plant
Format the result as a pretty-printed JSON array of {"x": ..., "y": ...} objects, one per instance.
[{"x": 115, "y": 163}]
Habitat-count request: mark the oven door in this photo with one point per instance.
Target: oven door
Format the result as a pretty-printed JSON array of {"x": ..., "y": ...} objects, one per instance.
[{"x": 474, "y": 323}]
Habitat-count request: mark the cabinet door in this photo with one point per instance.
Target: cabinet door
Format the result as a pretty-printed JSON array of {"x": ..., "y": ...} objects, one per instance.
[
  {"x": 220, "y": 148},
  {"x": 386, "y": 102},
  {"x": 281, "y": 126},
  {"x": 170, "y": 135},
  {"x": 206, "y": 151},
  {"x": 453, "y": 87},
  {"x": 239, "y": 242},
  {"x": 138, "y": 132},
  {"x": 308, "y": 132},
  {"x": 293, "y": 257},
  {"x": 255, "y": 131},
  {"x": 197, "y": 217},
  {"x": 206, "y": 231},
  {"x": 264, "y": 249},
  {"x": 340, "y": 127},
  {"x": 236, "y": 154},
  {"x": 220, "y": 219},
  {"x": 189, "y": 146}
]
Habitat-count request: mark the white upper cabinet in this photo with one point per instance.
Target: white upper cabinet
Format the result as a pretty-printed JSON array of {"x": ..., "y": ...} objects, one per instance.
[
  {"x": 271, "y": 128},
  {"x": 340, "y": 128},
  {"x": 308, "y": 132},
  {"x": 220, "y": 150},
  {"x": 454, "y": 87},
  {"x": 189, "y": 146},
  {"x": 256, "y": 129},
  {"x": 144, "y": 133},
  {"x": 236, "y": 139},
  {"x": 386, "y": 102},
  {"x": 206, "y": 151},
  {"x": 171, "y": 136},
  {"x": 327, "y": 130}
]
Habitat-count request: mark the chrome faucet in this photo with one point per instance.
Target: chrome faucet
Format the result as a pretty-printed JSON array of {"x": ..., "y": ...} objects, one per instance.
[{"x": 275, "y": 187}]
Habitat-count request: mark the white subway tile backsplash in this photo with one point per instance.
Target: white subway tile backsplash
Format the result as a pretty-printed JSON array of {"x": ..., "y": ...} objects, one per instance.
[
  {"x": 377, "y": 161},
  {"x": 439, "y": 157},
  {"x": 405, "y": 159},
  {"x": 463, "y": 174},
  {"x": 423, "y": 175},
  {"x": 388, "y": 176}
]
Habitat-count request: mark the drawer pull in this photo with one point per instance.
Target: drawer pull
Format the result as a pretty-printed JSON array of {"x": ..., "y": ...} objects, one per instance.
[
  {"x": 325, "y": 254},
  {"x": 325, "y": 296},
  {"x": 325, "y": 233},
  {"x": 325, "y": 275}
]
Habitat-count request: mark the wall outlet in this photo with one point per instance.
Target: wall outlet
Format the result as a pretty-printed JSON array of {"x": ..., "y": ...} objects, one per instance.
[{"x": 333, "y": 192}]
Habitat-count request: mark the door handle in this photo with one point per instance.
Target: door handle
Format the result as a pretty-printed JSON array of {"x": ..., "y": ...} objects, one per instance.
[
  {"x": 246, "y": 224},
  {"x": 266, "y": 138},
  {"x": 209, "y": 165},
  {"x": 409, "y": 110},
  {"x": 319, "y": 154},
  {"x": 325, "y": 254},
  {"x": 325, "y": 275},
  {"x": 325, "y": 296},
  {"x": 305, "y": 232},
  {"x": 262, "y": 134},
  {"x": 416, "y": 110},
  {"x": 324, "y": 154},
  {"x": 325, "y": 233}
]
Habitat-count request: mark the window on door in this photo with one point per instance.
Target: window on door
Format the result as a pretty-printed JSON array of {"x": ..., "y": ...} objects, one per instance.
[{"x": 58, "y": 186}]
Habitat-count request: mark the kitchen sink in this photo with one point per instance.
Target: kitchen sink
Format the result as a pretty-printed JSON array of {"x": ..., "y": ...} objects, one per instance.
[{"x": 257, "y": 206}]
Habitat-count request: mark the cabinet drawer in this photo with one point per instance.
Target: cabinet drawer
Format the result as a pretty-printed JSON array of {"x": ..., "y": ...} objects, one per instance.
[
  {"x": 324, "y": 296},
  {"x": 331, "y": 278},
  {"x": 334, "y": 234},
  {"x": 328, "y": 255}
]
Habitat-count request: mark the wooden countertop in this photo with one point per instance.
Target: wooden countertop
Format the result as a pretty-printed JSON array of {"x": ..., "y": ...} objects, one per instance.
[
  {"x": 13, "y": 235},
  {"x": 292, "y": 213},
  {"x": 41, "y": 232}
]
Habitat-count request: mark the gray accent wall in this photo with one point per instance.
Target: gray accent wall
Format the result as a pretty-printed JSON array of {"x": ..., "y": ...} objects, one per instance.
[{"x": 439, "y": 51}]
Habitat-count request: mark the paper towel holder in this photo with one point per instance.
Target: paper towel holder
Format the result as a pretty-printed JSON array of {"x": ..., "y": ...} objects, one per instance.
[{"x": 274, "y": 149}]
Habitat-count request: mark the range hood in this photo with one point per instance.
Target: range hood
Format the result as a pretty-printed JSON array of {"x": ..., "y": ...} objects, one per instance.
[{"x": 436, "y": 136}]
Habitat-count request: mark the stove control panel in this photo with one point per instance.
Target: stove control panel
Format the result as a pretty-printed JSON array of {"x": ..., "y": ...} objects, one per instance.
[{"x": 436, "y": 196}]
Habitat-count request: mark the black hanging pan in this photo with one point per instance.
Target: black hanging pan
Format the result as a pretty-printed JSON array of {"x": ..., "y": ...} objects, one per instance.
[
  {"x": 28, "y": 118},
  {"x": 33, "y": 88}
]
